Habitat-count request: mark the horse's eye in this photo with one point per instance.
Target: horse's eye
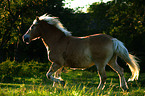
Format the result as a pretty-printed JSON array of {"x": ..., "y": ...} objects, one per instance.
[{"x": 32, "y": 27}]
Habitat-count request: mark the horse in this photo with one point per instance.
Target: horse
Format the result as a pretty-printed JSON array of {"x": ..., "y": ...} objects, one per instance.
[{"x": 65, "y": 50}]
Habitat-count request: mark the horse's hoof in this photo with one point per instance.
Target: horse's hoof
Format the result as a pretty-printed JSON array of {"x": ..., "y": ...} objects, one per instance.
[
  {"x": 125, "y": 89},
  {"x": 62, "y": 83}
]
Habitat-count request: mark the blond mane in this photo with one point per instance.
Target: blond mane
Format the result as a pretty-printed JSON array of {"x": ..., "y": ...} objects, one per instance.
[{"x": 54, "y": 21}]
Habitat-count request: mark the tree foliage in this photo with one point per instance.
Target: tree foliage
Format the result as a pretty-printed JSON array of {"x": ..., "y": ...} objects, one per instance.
[
  {"x": 128, "y": 23},
  {"x": 99, "y": 19}
]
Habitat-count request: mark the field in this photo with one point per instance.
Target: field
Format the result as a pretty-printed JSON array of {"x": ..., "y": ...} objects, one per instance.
[{"x": 78, "y": 83}]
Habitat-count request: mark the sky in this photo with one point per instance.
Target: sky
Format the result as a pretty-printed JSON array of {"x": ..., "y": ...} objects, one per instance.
[{"x": 81, "y": 3}]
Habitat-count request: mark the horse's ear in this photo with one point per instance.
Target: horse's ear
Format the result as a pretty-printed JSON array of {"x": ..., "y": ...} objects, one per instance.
[
  {"x": 37, "y": 18},
  {"x": 56, "y": 17}
]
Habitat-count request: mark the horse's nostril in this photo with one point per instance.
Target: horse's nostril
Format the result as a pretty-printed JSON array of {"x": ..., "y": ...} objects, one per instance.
[{"x": 26, "y": 39}]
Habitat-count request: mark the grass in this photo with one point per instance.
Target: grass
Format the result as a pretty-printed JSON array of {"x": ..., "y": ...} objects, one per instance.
[{"x": 78, "y": 83}]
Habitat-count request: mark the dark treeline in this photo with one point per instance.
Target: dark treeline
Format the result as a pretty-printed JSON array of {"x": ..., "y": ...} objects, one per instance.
[{"x": 124, "y": 19}]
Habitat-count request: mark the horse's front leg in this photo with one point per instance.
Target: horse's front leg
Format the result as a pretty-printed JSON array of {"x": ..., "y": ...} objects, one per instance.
[
  {"x": 57, "y": 75},
  {"x": 53, "y": 68}
]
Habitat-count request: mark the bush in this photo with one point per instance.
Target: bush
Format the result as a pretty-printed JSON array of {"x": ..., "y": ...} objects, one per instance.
[{"x": 10, "y": 69}]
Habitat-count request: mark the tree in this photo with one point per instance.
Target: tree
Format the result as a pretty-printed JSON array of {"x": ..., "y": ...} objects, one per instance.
[
  {"x": 128, "y": 23},
  {"x": 100, "y": 21},
  {"x": 17, "y": 15}
]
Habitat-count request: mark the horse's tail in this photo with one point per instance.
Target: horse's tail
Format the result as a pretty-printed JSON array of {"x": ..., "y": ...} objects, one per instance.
[{"x": 131, "y": 61}]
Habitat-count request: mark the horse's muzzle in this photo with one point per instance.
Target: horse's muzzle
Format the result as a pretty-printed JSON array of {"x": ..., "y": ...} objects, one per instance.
[{"x": 26, "y": 39}]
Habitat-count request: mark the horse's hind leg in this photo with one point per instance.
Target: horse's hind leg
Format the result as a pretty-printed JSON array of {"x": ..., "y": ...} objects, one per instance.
[
  {"x": 102, "y": 75},
  {"x": 113, "y": 64},
  {"x": 54, "y": 67}
]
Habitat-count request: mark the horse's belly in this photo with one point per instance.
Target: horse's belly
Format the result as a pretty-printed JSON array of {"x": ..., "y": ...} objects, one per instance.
[
  {"x": 80, "y": 60},
  {"x": 79, "y": 63}
]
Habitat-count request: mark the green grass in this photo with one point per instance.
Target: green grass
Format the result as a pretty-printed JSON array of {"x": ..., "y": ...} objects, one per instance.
[{"x": 78, "y": 83}]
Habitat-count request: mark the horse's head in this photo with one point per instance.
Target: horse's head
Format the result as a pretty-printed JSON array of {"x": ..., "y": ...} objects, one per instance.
[
  {"x": 42, "y": 24},
  {"x": 33, "y": 32}
]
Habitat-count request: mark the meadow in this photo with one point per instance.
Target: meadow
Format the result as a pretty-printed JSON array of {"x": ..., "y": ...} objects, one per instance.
[{"x": 78, "y": 83}]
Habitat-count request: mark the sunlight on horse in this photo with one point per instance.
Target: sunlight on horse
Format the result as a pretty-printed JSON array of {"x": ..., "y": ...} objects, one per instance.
[{"x": 64, "y": 50}]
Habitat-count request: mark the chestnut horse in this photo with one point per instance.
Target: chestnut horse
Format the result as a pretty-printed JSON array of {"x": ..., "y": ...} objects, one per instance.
[{"x": 65, "y": 50}]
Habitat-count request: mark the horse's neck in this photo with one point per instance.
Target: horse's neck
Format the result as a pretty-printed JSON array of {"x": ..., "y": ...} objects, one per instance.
[
  {"x": 45, "y": 44},
  {"x": 51, "y": 37}
]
